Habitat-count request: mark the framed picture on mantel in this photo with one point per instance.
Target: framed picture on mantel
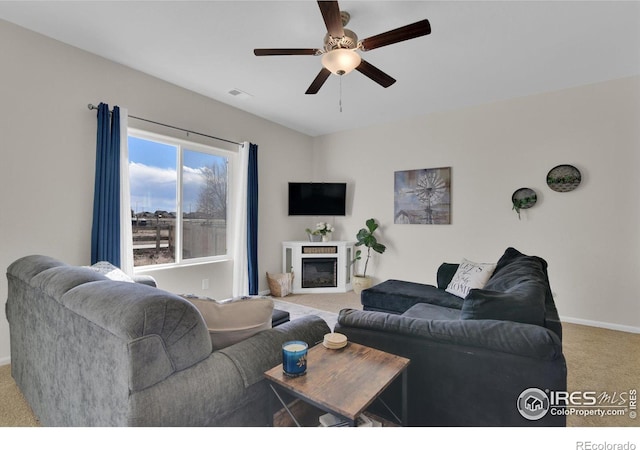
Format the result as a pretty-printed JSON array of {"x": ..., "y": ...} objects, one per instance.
[{"x": 422, "y": 196}]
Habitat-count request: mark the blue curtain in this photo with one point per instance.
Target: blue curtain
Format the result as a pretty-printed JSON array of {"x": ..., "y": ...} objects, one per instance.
[
  {"x": 105, "y": 233},
  {"x": 252, "y": 219}
]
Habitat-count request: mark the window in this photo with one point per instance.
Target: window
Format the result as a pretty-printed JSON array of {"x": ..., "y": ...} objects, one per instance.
[{"x": 179, "y": 200}]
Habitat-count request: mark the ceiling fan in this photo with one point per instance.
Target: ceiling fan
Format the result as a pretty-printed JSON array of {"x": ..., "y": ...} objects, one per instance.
[{"x": 341, "y": 45}]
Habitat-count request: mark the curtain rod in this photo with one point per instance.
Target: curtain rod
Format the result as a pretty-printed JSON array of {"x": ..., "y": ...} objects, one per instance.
[{"x": 90, "y": 106}]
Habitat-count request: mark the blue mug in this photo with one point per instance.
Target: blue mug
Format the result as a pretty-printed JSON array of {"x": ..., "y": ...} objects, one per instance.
[{"x": 294, "y": 358}]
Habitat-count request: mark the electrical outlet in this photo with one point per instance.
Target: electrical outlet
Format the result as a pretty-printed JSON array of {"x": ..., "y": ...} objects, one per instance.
[{"x": 205, "y": 284}]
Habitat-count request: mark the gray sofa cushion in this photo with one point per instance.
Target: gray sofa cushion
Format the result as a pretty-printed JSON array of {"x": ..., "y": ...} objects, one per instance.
[
  {"x": 57, "y": 281},
  {"x": 25, "y": 268}
]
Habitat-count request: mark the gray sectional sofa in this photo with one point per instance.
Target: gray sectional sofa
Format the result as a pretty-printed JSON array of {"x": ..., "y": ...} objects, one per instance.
[
  {"x": 89, "y": 351},
  {"x": 471, "y": 358}
]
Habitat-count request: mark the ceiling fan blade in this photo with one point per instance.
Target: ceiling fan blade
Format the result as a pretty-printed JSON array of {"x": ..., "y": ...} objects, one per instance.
[
  {"x": 405, "y": 33},
  {"x": 318, "y": 81},
  {"x": 331, "y": 15},
  {"x": 375, "y": 74},
  {"x": 285, "y": 51}
]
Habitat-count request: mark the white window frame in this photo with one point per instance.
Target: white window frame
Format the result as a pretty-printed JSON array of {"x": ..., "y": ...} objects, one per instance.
[{"x": 181, "y": 145}]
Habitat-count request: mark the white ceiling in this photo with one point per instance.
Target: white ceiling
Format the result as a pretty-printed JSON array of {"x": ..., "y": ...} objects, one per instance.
[{"x": 478, "y": 51}]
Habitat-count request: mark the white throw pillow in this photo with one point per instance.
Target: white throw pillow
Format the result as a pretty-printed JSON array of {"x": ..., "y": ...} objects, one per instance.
[
  {"x": 470, "y": 275},
  {"x": 234, "y": 320},
  {"x": 110, "y": 271}
]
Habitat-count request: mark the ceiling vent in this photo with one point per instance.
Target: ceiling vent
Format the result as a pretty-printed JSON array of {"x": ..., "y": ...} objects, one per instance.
[{"x": 237, "y": 93}]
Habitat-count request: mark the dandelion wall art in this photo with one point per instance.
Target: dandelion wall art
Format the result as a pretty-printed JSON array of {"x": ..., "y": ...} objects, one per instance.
[{"x": 423, "y": 196}]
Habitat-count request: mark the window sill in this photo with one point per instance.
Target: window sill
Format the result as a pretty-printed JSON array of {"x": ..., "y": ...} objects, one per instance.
[{"x": 159, "y": 267}]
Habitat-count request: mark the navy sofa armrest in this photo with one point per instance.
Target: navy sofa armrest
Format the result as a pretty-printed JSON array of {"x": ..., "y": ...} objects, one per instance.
[{"x": 518, "y": 339}]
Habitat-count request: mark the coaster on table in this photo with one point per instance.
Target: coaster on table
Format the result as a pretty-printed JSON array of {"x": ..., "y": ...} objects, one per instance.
[{"x": 334, "y": 341}]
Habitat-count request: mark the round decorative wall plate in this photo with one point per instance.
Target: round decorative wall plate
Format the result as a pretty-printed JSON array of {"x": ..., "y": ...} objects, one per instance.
[
  {"x": 564, "y": 178},
  {"x": 524, "y": 198}
]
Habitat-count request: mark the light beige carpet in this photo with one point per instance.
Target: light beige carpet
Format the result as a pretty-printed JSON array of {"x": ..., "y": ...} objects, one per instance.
[
  {"x": 14, "y": 410},
  {"x": 327, "y": 306},
  {"x": 598, "y": 360},
  {"x": 602, "y": 361},
  {"x": 325, "y": 302}
]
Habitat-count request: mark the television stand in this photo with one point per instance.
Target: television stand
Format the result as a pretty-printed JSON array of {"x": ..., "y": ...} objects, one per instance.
[{"x": 318, "y": 267}]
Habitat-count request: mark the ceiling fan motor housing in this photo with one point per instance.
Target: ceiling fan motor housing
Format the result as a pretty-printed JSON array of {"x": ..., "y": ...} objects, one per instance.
[{"x": 348, "y": 41}]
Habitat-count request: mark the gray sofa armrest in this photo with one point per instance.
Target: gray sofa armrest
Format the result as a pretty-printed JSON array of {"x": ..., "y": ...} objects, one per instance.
[
  {"x": 163, "y": 332},
  {"x": 264, "y": 350},
  {"x": 227, "y": 388},
  {"x": 145, "y": 279}
]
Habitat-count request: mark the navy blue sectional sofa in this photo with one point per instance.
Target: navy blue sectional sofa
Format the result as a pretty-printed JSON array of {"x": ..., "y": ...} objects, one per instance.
[{"x": 471, "y": 358}]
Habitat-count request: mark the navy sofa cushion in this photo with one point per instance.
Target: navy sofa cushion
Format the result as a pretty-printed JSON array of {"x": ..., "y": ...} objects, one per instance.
[
  {"x": 523, "y": 303},
  {"x": 517, "y": 291},
  {"x": 278, "y": 317},
  {"x": 514, "y": 266},
  {"x": 397, "y": 296},
  {"x": 446, "y": 271},
  {"x": 432, "y": 312}
]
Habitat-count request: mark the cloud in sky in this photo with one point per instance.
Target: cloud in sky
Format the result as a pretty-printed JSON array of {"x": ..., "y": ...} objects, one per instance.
[
  {"x": 154, "y": 188},
  {"x": 153, "y": 175}
]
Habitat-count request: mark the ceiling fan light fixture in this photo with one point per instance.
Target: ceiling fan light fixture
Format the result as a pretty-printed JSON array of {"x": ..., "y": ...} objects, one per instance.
[{"x": 341, "y": 61}]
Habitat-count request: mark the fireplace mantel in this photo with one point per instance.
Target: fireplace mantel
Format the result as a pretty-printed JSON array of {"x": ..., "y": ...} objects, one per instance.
[{"x": 304, "y": 257}]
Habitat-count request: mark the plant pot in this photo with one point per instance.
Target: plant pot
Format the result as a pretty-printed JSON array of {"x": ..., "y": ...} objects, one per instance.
[
  {"x": 360, "y": 283},
  {"x": 314, "y": 237}
]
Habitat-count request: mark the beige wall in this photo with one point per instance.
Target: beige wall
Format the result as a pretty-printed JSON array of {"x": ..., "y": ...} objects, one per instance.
[
  {"x": 47, "y": 138},
  {"x": 590, "y": 236}
]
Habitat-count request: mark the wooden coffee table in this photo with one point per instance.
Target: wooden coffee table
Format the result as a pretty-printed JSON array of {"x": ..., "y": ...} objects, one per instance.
[{"x": 343, "y": 382}]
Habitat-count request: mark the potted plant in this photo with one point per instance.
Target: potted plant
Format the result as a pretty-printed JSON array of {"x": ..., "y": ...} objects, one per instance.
[
  {"x": 523, "y": 203},
  {"x": 365, "y": 237},
  {"x": 313, "y": 235},
  {"x": 523, "y": 198}
]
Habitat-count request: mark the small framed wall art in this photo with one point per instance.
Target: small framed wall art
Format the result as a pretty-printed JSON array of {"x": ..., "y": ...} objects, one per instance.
[
  {"x": 564, "y": 178},
  {"x": 422, "y": 196}
]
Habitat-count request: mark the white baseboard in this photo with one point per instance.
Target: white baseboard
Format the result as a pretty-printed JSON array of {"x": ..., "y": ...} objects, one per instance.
[
  {"x": 597, "y": 324},
  {"x": 5, "y": 361}
]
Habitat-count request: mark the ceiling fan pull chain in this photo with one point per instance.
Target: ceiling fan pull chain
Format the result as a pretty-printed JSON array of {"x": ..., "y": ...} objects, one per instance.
[{"x": 340, "y": 94}]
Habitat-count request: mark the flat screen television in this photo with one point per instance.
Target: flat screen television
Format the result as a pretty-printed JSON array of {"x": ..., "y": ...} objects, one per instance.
[{"x": 317, "y": 199}]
